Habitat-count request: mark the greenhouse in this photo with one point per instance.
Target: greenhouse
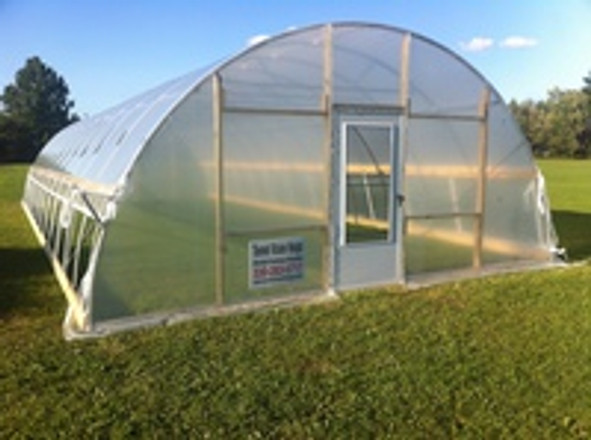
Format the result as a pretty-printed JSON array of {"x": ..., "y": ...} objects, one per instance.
[{"x": 328, "y": 158}]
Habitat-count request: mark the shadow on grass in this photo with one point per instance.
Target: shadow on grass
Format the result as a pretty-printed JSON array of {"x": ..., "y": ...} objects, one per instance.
[
  {"x": 24, "y": 277},
  {"x": 574, "y": 233}
]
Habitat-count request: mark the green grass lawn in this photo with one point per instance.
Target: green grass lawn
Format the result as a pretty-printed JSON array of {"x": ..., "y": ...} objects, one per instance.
[{"x": 500, "y": 357}]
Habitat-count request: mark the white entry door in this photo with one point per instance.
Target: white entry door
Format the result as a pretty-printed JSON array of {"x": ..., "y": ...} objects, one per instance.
[{"x": 368, "y": 220}]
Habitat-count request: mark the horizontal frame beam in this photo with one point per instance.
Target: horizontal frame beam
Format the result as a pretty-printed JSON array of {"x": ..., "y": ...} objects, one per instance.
[
  {"x": 87, "y": 186},
  {"x": 368, "y": 109},
  {"x": 442, "y": 216},
  {"x": 283, "y": 230},
  {"x": 275, "y": 111},
  {"x": 444, "y": 117},
  {"x": 443, "y": 171}
]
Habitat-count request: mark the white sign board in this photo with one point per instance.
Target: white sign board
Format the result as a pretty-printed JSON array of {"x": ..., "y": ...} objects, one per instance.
[{"x": 275, "y": 261}]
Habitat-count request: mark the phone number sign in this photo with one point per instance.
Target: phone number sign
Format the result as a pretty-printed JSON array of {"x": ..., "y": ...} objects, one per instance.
[{"x": 275, "y": 261}]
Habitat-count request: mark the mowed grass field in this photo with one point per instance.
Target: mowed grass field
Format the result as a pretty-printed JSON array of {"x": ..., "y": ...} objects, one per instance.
[{"x": 500, "y": 357}]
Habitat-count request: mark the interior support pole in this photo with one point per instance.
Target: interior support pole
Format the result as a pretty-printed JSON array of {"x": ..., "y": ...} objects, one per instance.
[
  {"x": 404, "y": 72},
  {"x": 482, "y": 177},
  {"x": 404, "y": 103},
  {"x": 220, "y": 245},
  {"x": 326, "y": 106}
]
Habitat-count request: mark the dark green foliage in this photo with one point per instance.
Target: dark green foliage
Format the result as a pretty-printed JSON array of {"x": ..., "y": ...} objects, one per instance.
[
  {"x": 35, "y": 107},
  {"x": 556, "y": 126},
  {"x": 560, "y": 125}
]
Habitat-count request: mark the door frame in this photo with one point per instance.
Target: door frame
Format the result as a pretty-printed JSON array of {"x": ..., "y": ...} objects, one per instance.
[{"x": 393, "y": 118}]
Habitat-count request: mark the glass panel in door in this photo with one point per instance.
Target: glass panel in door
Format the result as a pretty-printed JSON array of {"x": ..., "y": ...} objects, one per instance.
[{"x": 368, "y": 183}]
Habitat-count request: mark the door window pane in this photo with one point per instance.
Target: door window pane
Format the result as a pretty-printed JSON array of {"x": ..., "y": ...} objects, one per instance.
[{"x": 368, "y": 182}]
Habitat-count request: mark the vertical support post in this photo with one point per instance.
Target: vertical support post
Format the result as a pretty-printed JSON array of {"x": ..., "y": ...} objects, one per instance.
[
  {"x": 67, "y": 245},
  {"x": 79, "y": 240},
  {"x": 53, "y": 233},
  {"x": 220, "y": 245},
  {"x": 404, "y": 72},
  {"x": 482, "y": 177},
  {"x": 326, "y": 105},
  {"x": 404, "y": 102}
]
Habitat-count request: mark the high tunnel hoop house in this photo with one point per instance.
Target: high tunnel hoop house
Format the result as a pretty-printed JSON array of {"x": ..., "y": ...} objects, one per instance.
[{"x": 328, "y": 158}]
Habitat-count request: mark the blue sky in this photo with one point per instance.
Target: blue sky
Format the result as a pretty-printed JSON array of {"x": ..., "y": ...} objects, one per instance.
[{"x": 109, "y": 50}]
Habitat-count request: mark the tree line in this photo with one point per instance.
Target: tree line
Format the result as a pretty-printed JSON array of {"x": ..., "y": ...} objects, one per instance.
[{"x": 560, "y": 125}]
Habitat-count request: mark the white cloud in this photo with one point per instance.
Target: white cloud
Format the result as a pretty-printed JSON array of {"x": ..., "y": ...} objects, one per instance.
[
  {"x": 518, "y": 42},
  {"x": 478, "y": 44},
  {"x": 257, "y": 39}
]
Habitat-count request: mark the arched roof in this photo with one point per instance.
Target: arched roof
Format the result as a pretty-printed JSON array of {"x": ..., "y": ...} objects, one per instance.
[
  {"x": 102, "y": 148},
  {"x": 99, "y": 148}
]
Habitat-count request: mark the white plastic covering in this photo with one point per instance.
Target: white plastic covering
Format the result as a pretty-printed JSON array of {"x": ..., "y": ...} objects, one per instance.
[
  {"x": 157, "y": 204},
  {"x": 102, "y": 148}
]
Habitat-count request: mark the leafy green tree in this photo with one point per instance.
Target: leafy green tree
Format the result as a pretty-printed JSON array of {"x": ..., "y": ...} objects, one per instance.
[
  {"x": 528, "y": 115},
  {"x": 556, "y": 126},
  {"x": 564, "y": 120},
  {"x": 34, "y": 108}
]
